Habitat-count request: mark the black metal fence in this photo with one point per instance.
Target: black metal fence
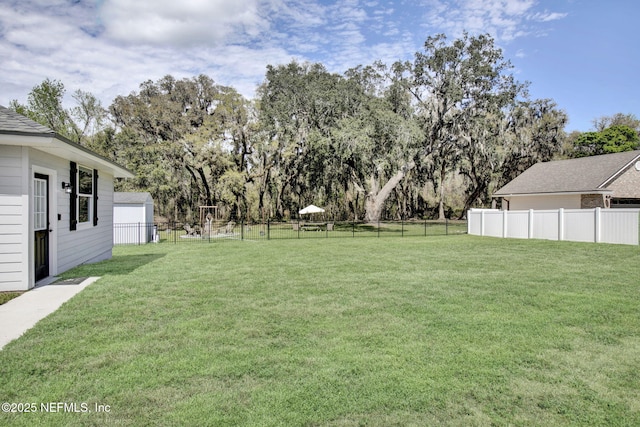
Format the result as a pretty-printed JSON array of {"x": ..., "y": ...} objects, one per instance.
[{"x": 174, "y": 232}]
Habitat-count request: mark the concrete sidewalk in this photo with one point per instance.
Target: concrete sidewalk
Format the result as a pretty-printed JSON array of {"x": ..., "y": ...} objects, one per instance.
[{"x": 23, "y": 312}]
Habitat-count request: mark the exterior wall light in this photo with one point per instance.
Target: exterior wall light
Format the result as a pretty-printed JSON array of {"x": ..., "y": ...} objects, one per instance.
[{"x": 67, "y": 187}]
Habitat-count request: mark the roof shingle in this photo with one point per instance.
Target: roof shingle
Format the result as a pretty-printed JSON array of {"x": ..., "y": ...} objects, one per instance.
[
  {"x": 12, "y": 122},
  {"x": 570, "y": 176}
]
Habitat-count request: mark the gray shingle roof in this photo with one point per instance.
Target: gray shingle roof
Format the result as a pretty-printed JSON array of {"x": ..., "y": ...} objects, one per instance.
[
  {"x": 131, "y": 197},
  {"x": 12, "y": 122},
  {"x": 581, "y": 175}
]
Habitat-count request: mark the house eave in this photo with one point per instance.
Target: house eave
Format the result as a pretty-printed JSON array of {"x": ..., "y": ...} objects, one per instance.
[
  {"x": 54, "y": 144},
  {"x": 620, "y": 171},
  {"x": 554, "y": 193}
]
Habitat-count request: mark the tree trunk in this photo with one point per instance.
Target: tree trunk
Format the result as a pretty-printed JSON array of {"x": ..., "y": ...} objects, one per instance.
[
  {"x": 262, "y": 191},
  {"x": 471, "y": 198},
  {"x": 443, "y": 174},
  {"x": 376, "y": 198},
  {"x": 194, "y": 179},
  {"x": 207, "y": 190}
]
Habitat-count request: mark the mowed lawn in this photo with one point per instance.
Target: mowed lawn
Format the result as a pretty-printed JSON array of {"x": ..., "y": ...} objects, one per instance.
[{"x": 447, "y": 330}]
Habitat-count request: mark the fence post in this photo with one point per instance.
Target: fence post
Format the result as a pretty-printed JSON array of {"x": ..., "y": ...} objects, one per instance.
[
  {"x": 597, "y": 220},
  {"x": 425, "y": 227},
  {"x": 378, "y": 227},
  {"x": 531, "y": 231},
  {"x": 242, "y": 229},
  {"x": 402, "y": 227},
  {"x": 505, "y": 224},
  {"x": 353, "y": 228},
  {"x": 269, "y": 229},
  {"x": 446, "y": 226},
  {"x": 138, "y": 234},
  {"x": 561, "y": 224}
]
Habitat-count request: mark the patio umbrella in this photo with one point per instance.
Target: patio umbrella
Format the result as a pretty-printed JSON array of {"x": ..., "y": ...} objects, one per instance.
[{"x": 311, "y": 209}]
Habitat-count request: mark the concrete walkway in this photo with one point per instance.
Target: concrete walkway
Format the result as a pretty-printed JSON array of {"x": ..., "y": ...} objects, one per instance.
[{"x": 23, "y": 312}]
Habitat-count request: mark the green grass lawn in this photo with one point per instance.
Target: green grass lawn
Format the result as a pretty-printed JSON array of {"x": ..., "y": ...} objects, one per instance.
[
  {"x": 450, "y": 330},
  {"x": 8, "y": 296}
]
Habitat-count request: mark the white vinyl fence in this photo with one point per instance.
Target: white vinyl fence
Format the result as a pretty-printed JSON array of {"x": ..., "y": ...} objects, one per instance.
[{"x": 579, "y": 225}]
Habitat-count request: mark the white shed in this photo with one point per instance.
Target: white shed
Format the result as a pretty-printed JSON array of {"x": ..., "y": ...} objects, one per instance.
[
  {"x": 56, "y": 203},
  {"x": 132, "y": 218}
]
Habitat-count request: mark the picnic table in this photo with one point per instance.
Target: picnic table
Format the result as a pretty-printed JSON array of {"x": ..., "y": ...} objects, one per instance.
[{"x": 313, "y": 226}]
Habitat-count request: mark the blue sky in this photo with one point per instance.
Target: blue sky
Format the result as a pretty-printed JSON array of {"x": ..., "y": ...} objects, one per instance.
[{"x": 583, "y": 54}]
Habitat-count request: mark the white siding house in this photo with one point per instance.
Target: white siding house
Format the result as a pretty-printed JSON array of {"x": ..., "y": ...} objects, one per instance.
[
  {"x": 132, "y": 218},
  {"x": 56, "y": 203}
]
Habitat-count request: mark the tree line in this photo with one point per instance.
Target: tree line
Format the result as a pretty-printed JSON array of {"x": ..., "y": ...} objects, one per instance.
[{"x": 428, "y": 138}]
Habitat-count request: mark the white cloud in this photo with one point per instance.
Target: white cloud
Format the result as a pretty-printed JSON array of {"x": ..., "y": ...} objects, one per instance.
[
  {"x": 301, "y": 14},
  {"x": 513, "y": 7},
  {"x": 71, "y": 45},
  {"x": 505, "y": 20},
  {"x": 185, "y": 22},
  {"x": 109, "y": 47},
  {"x": 548, "y": 16}
]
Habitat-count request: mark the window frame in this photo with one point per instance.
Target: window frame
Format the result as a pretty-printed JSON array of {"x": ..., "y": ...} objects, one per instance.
[
  {"x": 83, "y": 198},
  {"x": 40, "y": 202},
  {"x": 86, "y": 219}
]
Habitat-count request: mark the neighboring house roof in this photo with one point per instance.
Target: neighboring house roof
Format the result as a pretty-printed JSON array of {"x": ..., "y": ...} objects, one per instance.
[
  {"x": 131, "y": 198},
  {"x": 33, "y": 134},
  {"x": 582, "y": 175}
]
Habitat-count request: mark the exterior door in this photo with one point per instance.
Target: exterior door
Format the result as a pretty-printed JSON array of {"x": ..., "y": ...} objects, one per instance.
[{"x": 41, "y": 225}]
